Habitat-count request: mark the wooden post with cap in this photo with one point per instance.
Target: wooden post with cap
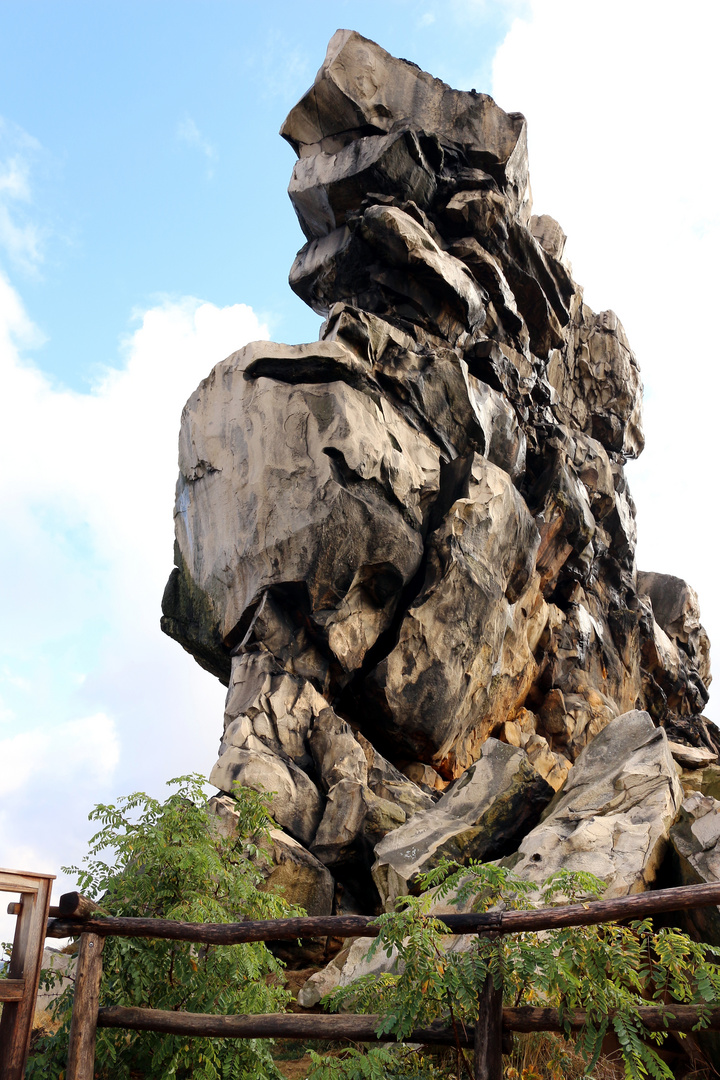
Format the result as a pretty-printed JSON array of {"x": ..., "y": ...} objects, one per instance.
[{"x": 18, "y": 992}]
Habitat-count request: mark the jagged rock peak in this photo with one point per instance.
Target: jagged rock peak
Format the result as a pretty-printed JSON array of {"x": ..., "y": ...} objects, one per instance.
[
  {"x": 408, "y": 548},
  {"x": 361, "y": 90}
]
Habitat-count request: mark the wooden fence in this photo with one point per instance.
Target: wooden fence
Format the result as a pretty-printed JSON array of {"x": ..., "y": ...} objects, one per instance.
[
  {"x": 77, "y": 916},
  {"x": 18, "y": 992}
]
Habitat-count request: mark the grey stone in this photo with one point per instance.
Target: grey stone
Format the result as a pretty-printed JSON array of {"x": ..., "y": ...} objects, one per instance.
[
  {"x": 366, "y": 796},
  {"x": 548, "y": 234},
  {"x": 695, "y": 839},
  {"x": 676, "y": 609},
  {"x": 692, "y": 757},
  {"x": 695, "y": 860},
  {"x": 480, "y": 816},
  {"x": 597, "y": 382},
  {"x": 325, "y": 186},
  {"x": 305, "y": 507},
  {"x": 706, "y": 781},
  {"x": 402, "y": 788},
  {"x": 614, "y": 814},
  {"x": 287, "y": 867},
  {"x": 297, "y": 804},
  {"x": 436, "y": 688},
  {"x": 359, "y": 84}
]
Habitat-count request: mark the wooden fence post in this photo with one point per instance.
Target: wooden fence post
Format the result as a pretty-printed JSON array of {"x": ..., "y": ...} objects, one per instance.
[
  {"x": 488, "y": 1033},
  {"x": 88, "y": 972},
  {"x": 25, "y": 964}
]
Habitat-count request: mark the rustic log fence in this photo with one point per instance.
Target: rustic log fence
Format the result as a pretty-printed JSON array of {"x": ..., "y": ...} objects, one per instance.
[{"x": 77, "y": 916}]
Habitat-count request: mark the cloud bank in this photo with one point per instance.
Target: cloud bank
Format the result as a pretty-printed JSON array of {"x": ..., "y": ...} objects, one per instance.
[
  {"x": 619, "y": 102},
  {"x": 94, "y": 701}
]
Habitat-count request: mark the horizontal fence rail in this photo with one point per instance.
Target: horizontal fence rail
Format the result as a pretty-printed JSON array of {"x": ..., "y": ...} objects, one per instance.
[
  {"x": 489, "y": 1035},
  {"x": 364, "y": 1028},
  {"x": 272, "y": 1026},
  {"x": 638, "y": 906}
]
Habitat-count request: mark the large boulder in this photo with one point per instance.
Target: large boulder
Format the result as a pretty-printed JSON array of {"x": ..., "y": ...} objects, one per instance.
[
  {"x": 297, "y": 804},
  {"x": 480, "y": 816},
  {"x": 676, "y": 609},
  {"x": 361, "y": 87},
  {"x": 366, "y": 797},
  {"x": 326, "y": 512},
  {"x": 464, "y": 656},
  {"x": 614, "y": 814},
  {"x": 597, "y": 383}
]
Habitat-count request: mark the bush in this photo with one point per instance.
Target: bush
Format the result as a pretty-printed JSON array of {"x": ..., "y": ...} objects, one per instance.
[
  {"x": 171, "y": 861},
  {"x": 596, "y": 969}
]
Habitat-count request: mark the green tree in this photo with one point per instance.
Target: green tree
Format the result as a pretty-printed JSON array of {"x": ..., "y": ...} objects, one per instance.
[
  {"x": 170, "y": 860},
  {"x": 604, "y": 969}
]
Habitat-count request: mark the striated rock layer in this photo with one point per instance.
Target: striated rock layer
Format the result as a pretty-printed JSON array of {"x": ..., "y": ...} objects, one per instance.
[{"x": 416, "y": 534}]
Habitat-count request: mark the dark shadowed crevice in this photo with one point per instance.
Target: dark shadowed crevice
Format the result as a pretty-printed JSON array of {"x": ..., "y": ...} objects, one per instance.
[{"x": 352, "y": 703}]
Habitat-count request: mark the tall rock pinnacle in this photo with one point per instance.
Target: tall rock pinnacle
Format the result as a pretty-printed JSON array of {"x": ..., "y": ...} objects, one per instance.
[{"x": 408, "y": 548}]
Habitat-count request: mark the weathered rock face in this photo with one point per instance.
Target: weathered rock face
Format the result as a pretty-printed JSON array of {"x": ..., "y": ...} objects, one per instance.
[
  {"x": 481, "y": 817},
  {"x": 613, "y": 816},
  {"x": 416, "y": 534},
  {"x": 695, "y": 839},
  {"x": 694, "y": 860}
]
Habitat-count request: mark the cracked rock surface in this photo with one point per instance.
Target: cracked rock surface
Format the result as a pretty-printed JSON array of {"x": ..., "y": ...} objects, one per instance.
[{"x": 408, "y": 548}]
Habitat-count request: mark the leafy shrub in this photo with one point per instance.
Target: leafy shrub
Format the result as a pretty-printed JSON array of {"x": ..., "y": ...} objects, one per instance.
[
  {"x": 601, "y": 969},
  {"x": 169, "y": 860}
]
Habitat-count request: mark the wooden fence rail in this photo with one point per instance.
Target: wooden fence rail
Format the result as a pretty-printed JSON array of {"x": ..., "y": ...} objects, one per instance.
[
  {"x": 525, "y": 1018},
  {"x": 638, "y": 906},
  {"x": 77, "y": 916}
]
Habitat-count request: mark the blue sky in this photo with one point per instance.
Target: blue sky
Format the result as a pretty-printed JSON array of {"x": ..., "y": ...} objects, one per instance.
[
  {"x": 159, "y": 168},
  {"x": 145, "y": 233}
]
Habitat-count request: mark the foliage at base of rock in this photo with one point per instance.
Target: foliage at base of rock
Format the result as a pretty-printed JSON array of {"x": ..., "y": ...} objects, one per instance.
[
  {"x": 171, "y": 861},
  {"x": 608, "y": 971}
]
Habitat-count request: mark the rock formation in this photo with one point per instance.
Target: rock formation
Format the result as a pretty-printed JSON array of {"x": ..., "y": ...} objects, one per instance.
[{"x": 408, "y": 548}]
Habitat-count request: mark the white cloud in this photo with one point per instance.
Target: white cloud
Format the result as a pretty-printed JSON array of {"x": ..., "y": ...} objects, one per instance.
[
  {"x": 21, "y": 238},
  {"x": 619, "y": 103},
  {"x": 101, "y": 702},
  {"x": 427, "y": 19},
  {"x": 471, "y": 13},
  {"x": 188, "y": 132},
  {"x": 34, "y": 755}
]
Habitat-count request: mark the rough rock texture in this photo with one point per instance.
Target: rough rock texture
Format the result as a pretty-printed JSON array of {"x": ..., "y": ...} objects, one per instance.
[
  {"x": 288, "y": 868},
  {"x": 480, "y": 816},
  {"x": 613, "y": 816},
  {"x": 416, "y": 534},
  {"x": 695, "y": 839},
  {"x": 706, "y": 781},
  {"x": 695, "y": 859}
]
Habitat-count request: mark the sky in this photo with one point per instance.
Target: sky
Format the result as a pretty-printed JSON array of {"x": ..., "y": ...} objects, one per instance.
[{"x": 145, "y": 233}]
